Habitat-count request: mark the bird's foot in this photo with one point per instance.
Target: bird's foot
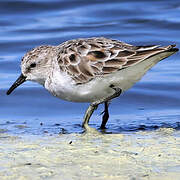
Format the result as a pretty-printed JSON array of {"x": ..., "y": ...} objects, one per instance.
[{"x": 89, "y": 130}]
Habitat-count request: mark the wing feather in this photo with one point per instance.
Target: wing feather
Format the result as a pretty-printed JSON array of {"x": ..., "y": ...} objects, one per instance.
[{"x": 85, "y": 59}]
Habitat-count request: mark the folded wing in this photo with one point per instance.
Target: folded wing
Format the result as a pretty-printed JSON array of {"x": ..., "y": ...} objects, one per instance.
[{"x": 86, "y": 59}]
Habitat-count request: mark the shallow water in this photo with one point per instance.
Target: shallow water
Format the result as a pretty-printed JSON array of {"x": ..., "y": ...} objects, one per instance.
[{"x": 152, "y": 103}]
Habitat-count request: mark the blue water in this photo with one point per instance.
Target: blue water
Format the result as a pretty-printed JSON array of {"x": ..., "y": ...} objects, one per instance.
[{"x": 152, "y": 103}]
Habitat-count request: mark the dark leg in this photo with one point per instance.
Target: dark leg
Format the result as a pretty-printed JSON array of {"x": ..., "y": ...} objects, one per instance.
[
  {"x": 94, "y": 106},
  {"x": 105, "y": 116},
  {"x": 87, "y": 116}
]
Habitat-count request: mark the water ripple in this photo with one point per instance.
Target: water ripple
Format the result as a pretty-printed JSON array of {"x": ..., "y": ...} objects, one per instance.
[{"x": 26, "y": 24}]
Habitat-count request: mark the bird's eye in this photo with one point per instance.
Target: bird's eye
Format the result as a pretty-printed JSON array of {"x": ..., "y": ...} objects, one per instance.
[{"x": 33, "y": 65}]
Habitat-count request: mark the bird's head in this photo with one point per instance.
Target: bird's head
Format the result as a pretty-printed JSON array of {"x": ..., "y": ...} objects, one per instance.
[{"x": 35, "y": 66}]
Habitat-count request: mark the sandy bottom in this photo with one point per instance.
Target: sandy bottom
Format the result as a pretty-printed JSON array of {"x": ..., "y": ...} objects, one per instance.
[{"x": 141, "y": 155}]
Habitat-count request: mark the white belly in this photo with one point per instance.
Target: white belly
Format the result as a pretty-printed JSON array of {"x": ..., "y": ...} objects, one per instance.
[
  {"x": 62, "y": 86},
  {"x": 89, "y": 92}
]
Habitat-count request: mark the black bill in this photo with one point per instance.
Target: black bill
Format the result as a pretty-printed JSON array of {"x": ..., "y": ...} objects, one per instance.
[{"x": 18, "y": 82}]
